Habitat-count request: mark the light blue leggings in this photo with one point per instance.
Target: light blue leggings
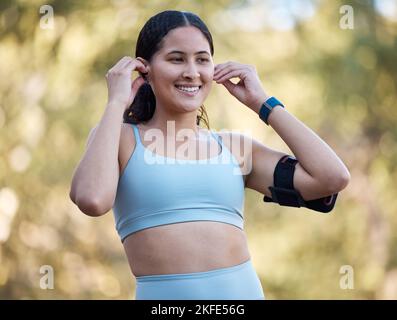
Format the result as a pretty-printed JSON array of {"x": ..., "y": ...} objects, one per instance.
[{"x": 239, "y": 282}]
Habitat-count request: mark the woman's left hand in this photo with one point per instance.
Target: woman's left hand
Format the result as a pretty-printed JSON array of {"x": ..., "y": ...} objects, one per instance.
[{"x": 248, "y": 90}]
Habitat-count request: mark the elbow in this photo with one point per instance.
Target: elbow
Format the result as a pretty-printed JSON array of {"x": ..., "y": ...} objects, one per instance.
[
  {"x": 339, "y": 182},
  {"x": 91, "y": 206}
]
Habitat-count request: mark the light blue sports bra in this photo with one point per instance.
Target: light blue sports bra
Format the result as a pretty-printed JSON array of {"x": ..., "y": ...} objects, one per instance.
[{"x": 155, "y": 190}]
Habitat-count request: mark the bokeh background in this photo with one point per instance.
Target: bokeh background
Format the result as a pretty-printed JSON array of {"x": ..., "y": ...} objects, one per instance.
[{"x": 341, "y": 82}]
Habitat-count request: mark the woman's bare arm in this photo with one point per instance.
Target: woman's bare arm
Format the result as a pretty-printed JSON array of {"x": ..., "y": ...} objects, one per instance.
[{"x": 95, "y": 179}]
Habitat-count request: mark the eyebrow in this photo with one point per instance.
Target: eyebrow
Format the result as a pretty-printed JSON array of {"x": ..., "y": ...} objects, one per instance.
[{"x": 181, "y": 52}]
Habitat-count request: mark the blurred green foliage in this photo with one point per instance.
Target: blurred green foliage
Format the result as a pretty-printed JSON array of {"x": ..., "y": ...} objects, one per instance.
[{"x": 339, "y": 82}]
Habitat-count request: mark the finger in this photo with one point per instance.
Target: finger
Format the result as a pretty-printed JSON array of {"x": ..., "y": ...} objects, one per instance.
[
  {"x": 139, "y": 81},
  {"x": 219, "y": 67},
  {"x": 135, "y": 65},
  {"x": 117, "y": 65},
  {"x": 140, "y": 66},
  {"x": 230, "y": 74},
  {"x": 121, "y": 63},
  {"x": 229, "y": 85},
  {"x": 216, "y": 67},
  {"x": 228, "y": 69},
  {"x": 126, "y": 62},
  {"x": 227, "y": 65},
  {"x": 136, "y": 84},
  {"x": 225, "y": 69}
]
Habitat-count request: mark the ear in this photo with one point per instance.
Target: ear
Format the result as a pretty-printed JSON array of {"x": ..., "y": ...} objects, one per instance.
[{"x": 147, "y": 65}]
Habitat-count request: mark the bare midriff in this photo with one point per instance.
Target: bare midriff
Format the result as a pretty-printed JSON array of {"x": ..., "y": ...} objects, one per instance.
[{"x": 186, "y": 247}]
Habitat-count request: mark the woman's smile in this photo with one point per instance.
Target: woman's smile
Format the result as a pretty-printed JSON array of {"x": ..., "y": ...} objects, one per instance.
[{"x": 189, "y": 91}]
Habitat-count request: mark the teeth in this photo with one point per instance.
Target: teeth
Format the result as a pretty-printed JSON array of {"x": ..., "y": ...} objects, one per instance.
[{"x": 188, "y": 89}]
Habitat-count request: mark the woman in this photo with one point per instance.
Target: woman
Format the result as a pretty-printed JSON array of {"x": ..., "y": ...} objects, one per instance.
[{"x": 180, "y": 218}]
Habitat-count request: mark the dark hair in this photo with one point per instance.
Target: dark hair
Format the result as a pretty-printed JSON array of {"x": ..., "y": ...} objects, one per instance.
[{"x": 148, "y": 43}]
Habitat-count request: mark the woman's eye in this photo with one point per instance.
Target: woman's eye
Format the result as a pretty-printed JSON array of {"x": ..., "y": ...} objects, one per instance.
[{"x": 180, "y": 59}]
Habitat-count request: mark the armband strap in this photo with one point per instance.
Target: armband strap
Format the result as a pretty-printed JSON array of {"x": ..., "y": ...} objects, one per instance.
[{"x": 284, "y": 193}]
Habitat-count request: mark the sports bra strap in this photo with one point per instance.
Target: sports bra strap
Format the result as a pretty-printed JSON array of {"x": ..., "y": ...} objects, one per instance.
[
  {"x": 136, "y": 133},
  {"x": 219, "y": 139}
]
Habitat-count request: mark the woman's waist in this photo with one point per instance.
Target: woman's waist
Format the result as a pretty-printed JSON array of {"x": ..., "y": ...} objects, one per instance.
[{"x": 186, "y": 247}]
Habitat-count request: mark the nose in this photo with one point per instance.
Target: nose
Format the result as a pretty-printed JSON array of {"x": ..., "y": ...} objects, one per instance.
[{"x": 191, "y": 71}]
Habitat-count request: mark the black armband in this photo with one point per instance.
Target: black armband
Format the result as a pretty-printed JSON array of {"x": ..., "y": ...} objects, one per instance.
[{"x": 284, "y": 193}]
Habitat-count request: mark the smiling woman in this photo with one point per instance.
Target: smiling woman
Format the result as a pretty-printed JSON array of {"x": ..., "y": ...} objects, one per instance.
[
  {"x": 169, "y": 258},
  {"x": 181, "y": 225},
  {"x": 181, "y": 222}
]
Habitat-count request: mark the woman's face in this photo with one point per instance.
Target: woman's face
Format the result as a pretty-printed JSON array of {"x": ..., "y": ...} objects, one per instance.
[{"x": 171, "y": 73}]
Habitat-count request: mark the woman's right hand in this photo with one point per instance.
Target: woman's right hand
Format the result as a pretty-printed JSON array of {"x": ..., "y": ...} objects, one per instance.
[{"x": 121, "y": 89}]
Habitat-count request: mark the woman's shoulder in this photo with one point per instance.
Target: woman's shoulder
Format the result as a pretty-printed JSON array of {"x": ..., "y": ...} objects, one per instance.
[{"x": 126, "y": 145}]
